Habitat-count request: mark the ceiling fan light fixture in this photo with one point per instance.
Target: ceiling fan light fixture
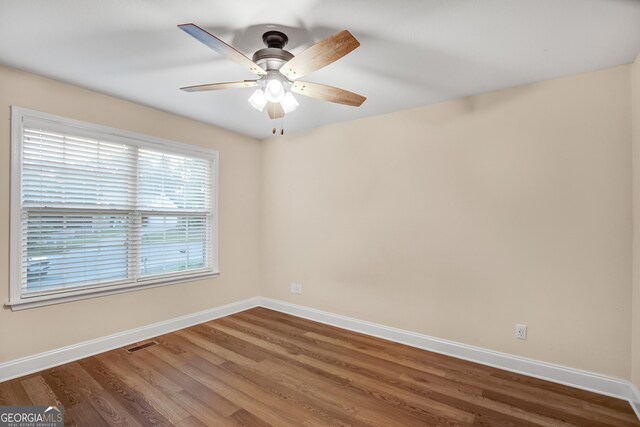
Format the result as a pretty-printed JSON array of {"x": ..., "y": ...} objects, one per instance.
[
  {"x": 289, "y": 103},
  {"x": 279, "y": 71},
  {"x": 274, "y": 91},
  {"x": 258, "y": 100}
]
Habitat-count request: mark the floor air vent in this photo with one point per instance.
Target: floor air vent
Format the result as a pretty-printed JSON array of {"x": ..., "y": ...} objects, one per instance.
[{"x": 141, "y": 346}]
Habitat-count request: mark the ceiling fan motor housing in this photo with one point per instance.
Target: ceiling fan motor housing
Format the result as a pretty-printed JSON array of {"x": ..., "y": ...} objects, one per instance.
[{"x": 273, "y": 56}]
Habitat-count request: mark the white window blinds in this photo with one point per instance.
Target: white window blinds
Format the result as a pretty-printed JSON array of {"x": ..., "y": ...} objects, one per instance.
[{"x": 99, "y": 209}]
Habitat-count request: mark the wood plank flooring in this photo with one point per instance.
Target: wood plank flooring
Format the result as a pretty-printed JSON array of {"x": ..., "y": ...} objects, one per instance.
[{"x": 261, "y": 367}]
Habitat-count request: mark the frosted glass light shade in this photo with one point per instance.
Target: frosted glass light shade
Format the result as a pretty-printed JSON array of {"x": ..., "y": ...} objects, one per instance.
[
  {"x": 289, "y": 103},
  {"x": 274, "y": 91},
  {"x": 258, "y": 100}
]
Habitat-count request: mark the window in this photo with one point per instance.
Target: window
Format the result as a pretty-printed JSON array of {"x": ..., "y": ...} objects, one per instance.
[{"x": 97, "y": 210}]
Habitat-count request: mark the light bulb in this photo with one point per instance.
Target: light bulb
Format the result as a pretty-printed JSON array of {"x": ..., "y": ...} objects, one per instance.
[
  {"x": 258, "y": 100},
  {"x": 289, "y": 103},
  {"x": 274, "y": 92}
]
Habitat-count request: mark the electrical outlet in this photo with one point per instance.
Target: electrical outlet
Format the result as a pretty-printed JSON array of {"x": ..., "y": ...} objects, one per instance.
[
  {"x": 521, "y": 331},
  {"x": 296, "y": 288}
]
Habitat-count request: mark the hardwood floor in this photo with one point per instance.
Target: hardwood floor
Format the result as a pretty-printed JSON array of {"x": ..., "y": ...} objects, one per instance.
[{"x": 261, "y": 367}]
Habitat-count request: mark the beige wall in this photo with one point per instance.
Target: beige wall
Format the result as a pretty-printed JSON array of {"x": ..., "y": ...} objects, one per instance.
[
  {"x": 635, "y": 120},
  {"x": 461, "y": 219},
  {"x": 31, "y": 331}
]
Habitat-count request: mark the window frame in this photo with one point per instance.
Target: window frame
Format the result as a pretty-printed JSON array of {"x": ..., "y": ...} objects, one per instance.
[{"x": 18, "y": 301}]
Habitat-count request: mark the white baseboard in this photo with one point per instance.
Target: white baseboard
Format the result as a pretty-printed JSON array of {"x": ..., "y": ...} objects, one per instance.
[
  {"x": 635, "y": 401},
  {"x": 27, "y": 365},
  {"x": 558, "y": 374}
]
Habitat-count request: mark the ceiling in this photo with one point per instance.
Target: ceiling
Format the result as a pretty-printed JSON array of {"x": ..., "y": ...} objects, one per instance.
[{"x": 412, "y": 53}]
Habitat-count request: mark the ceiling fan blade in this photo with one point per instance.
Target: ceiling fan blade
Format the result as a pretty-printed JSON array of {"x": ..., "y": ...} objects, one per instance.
[
  {"x": 320, "y": 55},
  {"x": 222, "y": 48},
  {"x": 219, "y": 86},
  {"x": 275, "y": 110},
  {"x": 327, "y": 93}
]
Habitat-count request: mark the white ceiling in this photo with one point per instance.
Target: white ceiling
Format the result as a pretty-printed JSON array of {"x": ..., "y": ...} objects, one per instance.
[{"x": 412, "y": 52}]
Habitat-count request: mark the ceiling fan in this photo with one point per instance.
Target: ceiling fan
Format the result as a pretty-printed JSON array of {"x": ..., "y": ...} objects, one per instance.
[{"x": 279, "y": 70}]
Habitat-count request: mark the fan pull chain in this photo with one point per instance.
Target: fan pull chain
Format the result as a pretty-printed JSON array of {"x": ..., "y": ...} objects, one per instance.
[{"x": 273, "y": 131}]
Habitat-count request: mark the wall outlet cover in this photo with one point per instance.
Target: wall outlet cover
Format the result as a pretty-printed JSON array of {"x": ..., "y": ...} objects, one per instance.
[{"x": 521, "y": 331}]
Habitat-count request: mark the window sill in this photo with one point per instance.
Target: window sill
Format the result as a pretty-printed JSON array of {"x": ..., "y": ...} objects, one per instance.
[{"x": 40, "y": 301}]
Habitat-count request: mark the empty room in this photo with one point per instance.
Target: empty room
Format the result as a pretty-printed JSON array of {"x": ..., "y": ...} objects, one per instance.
[{"x": 319, "y": 213}]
